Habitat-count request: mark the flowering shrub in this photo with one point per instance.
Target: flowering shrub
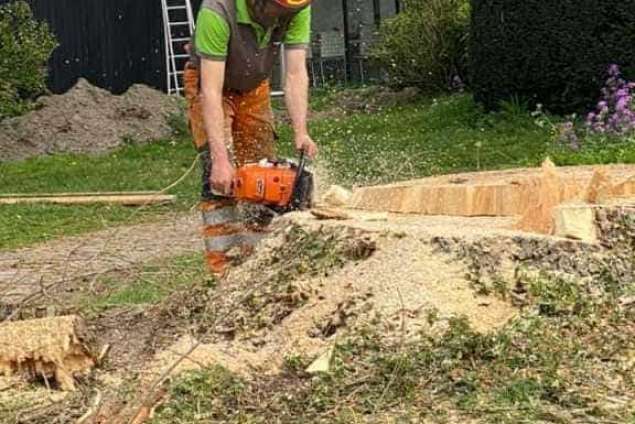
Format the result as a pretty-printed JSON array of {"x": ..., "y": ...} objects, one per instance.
[
  {"x": 612, "y": 118},
  {"x": 614, "y": 113}
]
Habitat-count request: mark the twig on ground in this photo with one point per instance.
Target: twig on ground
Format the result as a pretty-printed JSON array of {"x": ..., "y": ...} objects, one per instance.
[{"x": 94, "y": 405}]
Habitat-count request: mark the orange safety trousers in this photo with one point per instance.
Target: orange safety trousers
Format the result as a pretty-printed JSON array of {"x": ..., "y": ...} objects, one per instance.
[{"x": 250, "y": 137}]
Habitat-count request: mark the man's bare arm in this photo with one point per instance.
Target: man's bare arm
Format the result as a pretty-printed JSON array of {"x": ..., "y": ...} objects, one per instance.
[
  {"x": 212, "y": 80},
  {"x": 212, "y": 77},
  {"x": 297, "y": 98}
]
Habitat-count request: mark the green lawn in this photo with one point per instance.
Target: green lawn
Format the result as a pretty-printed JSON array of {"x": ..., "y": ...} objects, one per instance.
[
  {"x": 145, "y": 284},
  {"x": 450, "y": 134},
  {"x": 424, "y": 137},
  {"x": 132, "y": 168}
]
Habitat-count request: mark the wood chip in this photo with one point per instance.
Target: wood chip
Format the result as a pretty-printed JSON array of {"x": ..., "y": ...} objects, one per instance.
[{"x": 328, "y": 213}]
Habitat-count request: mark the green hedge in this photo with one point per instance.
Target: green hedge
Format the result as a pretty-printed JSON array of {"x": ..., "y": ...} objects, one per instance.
[
  {"x": 554, "y": 52},
  {"x": 25, "y": 47},
  {"x": 426, "y": 44}
]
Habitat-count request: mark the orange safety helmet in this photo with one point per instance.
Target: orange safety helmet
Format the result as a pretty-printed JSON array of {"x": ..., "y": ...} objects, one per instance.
[{"x": 293, "y": 4}]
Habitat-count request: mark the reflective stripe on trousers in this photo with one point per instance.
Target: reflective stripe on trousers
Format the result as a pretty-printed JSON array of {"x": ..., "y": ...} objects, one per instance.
[
  {"x": 225, "y": 243},
  {"x": 223, "y": 230},
  {"x": 220, "y": 226},
  {"x": 224, "y": 215}
]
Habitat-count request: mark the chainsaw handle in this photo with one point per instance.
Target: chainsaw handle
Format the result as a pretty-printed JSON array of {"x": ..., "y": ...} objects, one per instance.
[
  {"x": 301, "y": 161},
  {"x": 298, "y": 175}
]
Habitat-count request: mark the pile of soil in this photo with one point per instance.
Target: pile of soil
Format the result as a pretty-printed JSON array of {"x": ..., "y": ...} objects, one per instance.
[{"x": 87, "y": 119}]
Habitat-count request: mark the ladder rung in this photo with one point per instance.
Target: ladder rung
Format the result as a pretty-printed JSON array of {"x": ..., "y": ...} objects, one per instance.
[
  {"x": 179, "y": 23},
  {"x": 178, "y": 56},
  {"x": 178, "y": 40},
  {"x": 177, "y": 7},
  {"x": 176, "y": 73}
]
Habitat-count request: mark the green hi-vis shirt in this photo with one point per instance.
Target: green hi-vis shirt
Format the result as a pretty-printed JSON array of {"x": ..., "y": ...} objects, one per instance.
[{"x": 226, "y": 32}]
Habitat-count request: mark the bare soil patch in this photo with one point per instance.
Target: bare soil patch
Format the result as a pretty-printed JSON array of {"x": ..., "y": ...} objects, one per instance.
[{"x": 57, "y": 267}]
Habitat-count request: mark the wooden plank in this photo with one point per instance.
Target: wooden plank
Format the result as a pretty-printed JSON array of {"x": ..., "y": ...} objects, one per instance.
[
  {"x": 77, "y": 194},
  {"x": 126, "y": 200},
  {"x": 538, "y": 216}
]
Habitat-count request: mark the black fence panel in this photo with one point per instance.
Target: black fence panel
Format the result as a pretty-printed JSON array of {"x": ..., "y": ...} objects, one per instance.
[
  {"x": 117, "y": 43},
  {"x": 111, "y": 43}
]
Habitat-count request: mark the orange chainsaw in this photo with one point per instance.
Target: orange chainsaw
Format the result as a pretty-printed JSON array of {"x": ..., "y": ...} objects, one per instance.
[{"x": 281, "y": 185}]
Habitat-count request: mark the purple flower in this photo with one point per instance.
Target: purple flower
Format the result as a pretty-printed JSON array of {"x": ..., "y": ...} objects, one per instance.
[
  {"x": 614, "y": 113},
  {"x": 614, "y": 70},
  {"x": 599, "y": 127},
  {"x": 623, "y": 103}
]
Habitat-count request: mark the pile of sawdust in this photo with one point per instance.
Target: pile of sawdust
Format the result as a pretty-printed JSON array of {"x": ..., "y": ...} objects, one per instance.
[
  {"x": 87, "y": 119},
  {"x": 404, "y": 277},
  {"x": 262, "y": 317},
  {"x": 417, "y": 268}
]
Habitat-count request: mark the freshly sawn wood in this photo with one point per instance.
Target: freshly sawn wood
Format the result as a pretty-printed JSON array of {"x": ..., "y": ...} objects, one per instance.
[{"x": 498, "y": 193}]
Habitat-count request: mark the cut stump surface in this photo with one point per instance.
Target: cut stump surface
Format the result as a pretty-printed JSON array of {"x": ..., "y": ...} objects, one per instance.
[{"x": 496, "y": 193}]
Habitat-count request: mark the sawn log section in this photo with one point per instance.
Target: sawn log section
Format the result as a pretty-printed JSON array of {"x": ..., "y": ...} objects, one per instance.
[{"x": 497, "y": 193}]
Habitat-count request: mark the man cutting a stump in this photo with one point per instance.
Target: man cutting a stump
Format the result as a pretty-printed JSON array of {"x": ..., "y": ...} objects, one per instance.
[{"x": 226, "y": 84}]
